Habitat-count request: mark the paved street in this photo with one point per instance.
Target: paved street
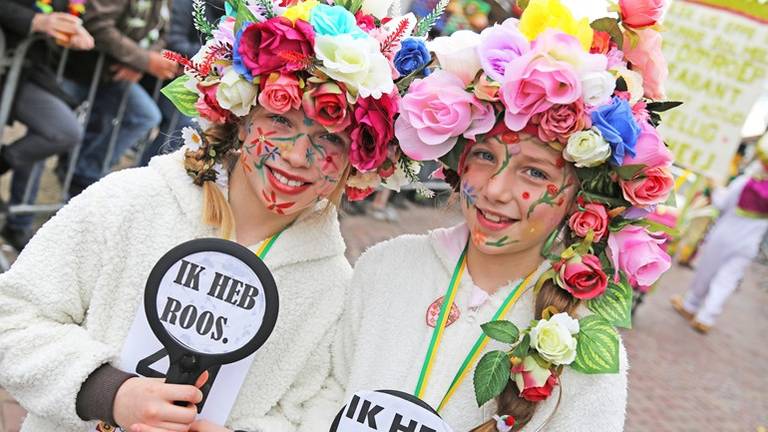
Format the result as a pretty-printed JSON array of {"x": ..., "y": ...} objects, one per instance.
[{"x": 680, "y": 381}]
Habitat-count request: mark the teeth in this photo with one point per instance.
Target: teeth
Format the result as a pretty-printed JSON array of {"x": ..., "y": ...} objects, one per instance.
[
  {"x": 282, "y": 179},
  {"x": 494, "y": 218}
]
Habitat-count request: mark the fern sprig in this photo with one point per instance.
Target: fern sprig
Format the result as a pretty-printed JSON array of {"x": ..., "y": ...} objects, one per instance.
[
  {"x": 199, "y": 19},
  {"x": 425, "y": 24}
]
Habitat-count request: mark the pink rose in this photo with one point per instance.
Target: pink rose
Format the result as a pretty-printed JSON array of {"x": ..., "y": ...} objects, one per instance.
[
  {"x": 276, "y": 45},
  {"x": 648, "y": 187},
  {"x": 487, "y": 89},
  {"x": 582, "y": 276},
  {"x": 533, "y": 84},
  {"x": 641, "y": 13},
  {"x": 638, "y": 254},
  {"x": 650, "y": 149},
  {"x": 280, "y": 93},
  {"x": 208, "y": 106},
  {"x": 372, "y": 131},
  {"x": 648, "y": 60},
  {"x": 561, "y": 121},
  {"x": 594, "y": 217},
  {"x": 435, "y": 112},
  {"x": 327, "y": 105}
]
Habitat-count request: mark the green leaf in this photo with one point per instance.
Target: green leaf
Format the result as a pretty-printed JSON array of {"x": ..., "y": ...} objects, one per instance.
[
  {"x": 502, "y": 331},
  {"x": 610, "y": 26},
  {"x": 491, "y": 376},
  {"x": 598, "y": 347},
  {"x": 662, "y": 106},
  {"x": 521, "y": 350},
  {"x": 243, "y": 14},
  {"x": 628, "y": 172},
  {"x": 451, "y": 159},
  {"x": 615, "y": 305},
  {"x": 522, "y": 4},
  {"x": 183, "y": 98}
]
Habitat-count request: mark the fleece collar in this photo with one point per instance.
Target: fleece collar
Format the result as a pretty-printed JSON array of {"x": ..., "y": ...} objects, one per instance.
[{"x": 315, "y": 235}]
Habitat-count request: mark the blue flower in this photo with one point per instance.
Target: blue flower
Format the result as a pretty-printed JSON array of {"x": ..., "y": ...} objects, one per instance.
[
  {"x": 412, "y": 56},
  {"x": 333, "y": 21},
  {"x": 619, "y": 128},
  {"x": 237, "y": 59}
]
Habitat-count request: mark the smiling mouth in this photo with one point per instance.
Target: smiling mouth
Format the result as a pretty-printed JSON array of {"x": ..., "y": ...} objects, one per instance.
[
  {"x": 494, "y": 221},
  {"x": 286, "y": 182}
]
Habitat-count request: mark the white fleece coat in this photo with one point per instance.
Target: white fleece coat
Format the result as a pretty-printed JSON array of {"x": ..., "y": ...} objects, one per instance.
[
  {"x": 67, "y": 303},
  {"x": 385, "y": 337}
]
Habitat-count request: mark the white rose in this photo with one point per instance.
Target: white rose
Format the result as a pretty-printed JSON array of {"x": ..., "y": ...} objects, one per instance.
[
  {"x": 457, "y": 54},
  {"x": 553, "y": 338},
  {"x": 236, "y": 94},
  {"x": 356, "y": 62},
  {"x": 634, "y": 83},
  {"x": 587, "y": 149},
  {"x": 377, "y": 8},
  {"x": 598, "y": 87}
]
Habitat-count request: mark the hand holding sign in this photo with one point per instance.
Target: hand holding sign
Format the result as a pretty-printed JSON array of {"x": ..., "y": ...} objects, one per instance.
[{"x": 150, "y": 401}]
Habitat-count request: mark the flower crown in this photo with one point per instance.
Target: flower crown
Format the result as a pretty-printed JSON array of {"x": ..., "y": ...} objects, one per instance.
[
  {"x": 587, "y": 89},
  {"x": 343, "y": 64}
]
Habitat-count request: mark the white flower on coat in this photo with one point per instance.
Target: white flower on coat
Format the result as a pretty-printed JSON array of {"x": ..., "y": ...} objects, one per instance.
[
  {"x": 358, "y": 63},
  {"x": 457, "y": 54},
  {"x": 236, "y": 94},
  {"x": 587, "y": 149},
  {"x": 553, "y": 338}
]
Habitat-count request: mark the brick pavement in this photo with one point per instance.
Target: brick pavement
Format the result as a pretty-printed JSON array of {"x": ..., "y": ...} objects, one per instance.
[{"x": 679, "y": 381}]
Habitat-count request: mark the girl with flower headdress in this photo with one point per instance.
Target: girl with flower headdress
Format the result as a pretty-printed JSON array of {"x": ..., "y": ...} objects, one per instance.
[
  {"x": 294, "y": 101},
  {"x": 546, "y": 130}
]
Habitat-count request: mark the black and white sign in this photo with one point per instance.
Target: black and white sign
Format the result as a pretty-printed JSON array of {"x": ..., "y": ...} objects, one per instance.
[
  {"x": 209, "y": 304},
  {"x": 387, "y": 411}
]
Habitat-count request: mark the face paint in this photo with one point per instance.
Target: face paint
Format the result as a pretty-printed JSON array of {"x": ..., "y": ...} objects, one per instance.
[
  {"x": 502, "y": 242},
  {"x": 273, "y": 205},
  {"x": 468, "y": 193},
  {"x": 549, "y": 196},
  {"x": 526, "y": 196}
]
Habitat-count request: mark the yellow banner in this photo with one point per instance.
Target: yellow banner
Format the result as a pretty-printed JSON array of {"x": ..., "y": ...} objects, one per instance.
[{"x": 755, "y": 9}]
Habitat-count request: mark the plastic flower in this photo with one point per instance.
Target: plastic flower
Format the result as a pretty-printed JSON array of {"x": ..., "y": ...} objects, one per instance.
[
  {"x": 541, "y": 15},
  {"x": 274, "y": 45},
  {"x": 638, "y": 254},
  {"x": 618, "y": 127},
  {"x": 587, "y": 149},
  {"x": 534, "y": 382},
  {"x": 358, "y": 63},
  {"x": 593, "y": 218},
  {"x": 499, "y": 45},
  {"x": 553, "y": 338},
  {"x": 372, "y": 131},
  {"x": 412, "y": 56},
  {"x": 280, "y": 93},
  {"x": 334, "y": 21},
  {"x": 191, "y": 138},
  {"x": 301, "y": 11},
  {"x": 457, "y": 54},
  {"x": 582, "y": 276},
  {"x": 326, "y": 103},
  {"x": 236, "y": 94},
  {"x": 377, "y": 8}
]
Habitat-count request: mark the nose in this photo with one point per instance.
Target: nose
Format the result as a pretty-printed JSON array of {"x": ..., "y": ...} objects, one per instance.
[
  {"x": 500, "y": 188},
  {"x": 297, "y": 156}
]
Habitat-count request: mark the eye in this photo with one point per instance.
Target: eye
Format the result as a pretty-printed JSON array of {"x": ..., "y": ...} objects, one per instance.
[
  {"x": 280, "y": 120},
  {"x": 537, "y": 173},
  {"x": 483, "y": 155},
  {"x": 333, "y": 139}
]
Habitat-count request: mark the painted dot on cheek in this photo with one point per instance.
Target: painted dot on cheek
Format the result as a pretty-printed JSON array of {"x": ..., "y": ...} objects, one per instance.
[
  {"x": 526, "y": 196},
  {"x": 560, "y": 162}
]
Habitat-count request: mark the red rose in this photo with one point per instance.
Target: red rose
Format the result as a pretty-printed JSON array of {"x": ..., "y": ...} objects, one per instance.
[
  {"x": 561, "y": 121},
  {"x": 601, "y": 43},
  {"x": 276, "y": 44},
  {"x": 365, "y": 22},
  {"x": 355, "y": 194},
  {"x": 582, "y": 276},
  {"x": 538, "y": 394},
  {"x": 649, "y": 186},
  {"x": 594, "y": 217},
  {"x": 327, "y": 105},
  {"x": 372, "y": 131},
  {"x": 209, "y": 107}
]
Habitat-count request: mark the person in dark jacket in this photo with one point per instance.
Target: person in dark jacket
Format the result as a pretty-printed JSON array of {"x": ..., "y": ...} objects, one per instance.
[
  {"x": 183, "y": 38},
  {"x": 39, "y": 103}
]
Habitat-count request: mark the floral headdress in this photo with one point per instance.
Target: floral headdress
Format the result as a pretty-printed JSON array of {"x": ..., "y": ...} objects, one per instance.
[
  {"x": 590, "y": 90},
  {"x": 343, "y": 64}
]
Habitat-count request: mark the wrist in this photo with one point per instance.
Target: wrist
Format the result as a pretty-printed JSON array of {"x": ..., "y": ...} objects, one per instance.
[{"x": 38, "y": 23}]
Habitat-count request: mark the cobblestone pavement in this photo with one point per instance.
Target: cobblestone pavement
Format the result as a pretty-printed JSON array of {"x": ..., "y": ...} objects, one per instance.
[{"x": 679, "y": 381}]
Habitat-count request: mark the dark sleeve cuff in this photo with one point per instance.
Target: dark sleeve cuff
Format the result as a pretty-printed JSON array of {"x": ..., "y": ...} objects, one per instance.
[{"x": 97, "y": 394}]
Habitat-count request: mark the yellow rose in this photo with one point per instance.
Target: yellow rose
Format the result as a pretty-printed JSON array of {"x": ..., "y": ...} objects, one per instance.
[
  {"x": 300, "y": 11},
  {"x": 545, "y": 14}
]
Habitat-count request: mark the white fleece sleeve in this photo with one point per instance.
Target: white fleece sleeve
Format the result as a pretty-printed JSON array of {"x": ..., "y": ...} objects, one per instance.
[
  {"x": 590, "y": 403},
  {"x": 45, "y": 354}
]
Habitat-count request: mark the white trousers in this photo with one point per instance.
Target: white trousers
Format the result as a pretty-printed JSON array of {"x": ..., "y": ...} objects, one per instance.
[{"x": 713, "y": 284}]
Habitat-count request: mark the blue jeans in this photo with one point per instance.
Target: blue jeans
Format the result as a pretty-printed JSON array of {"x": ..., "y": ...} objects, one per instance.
[
  {"x": 52, "y": 128},
  {"x": 141, "y": 115},
  {"x": 169, "y": 139}
]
